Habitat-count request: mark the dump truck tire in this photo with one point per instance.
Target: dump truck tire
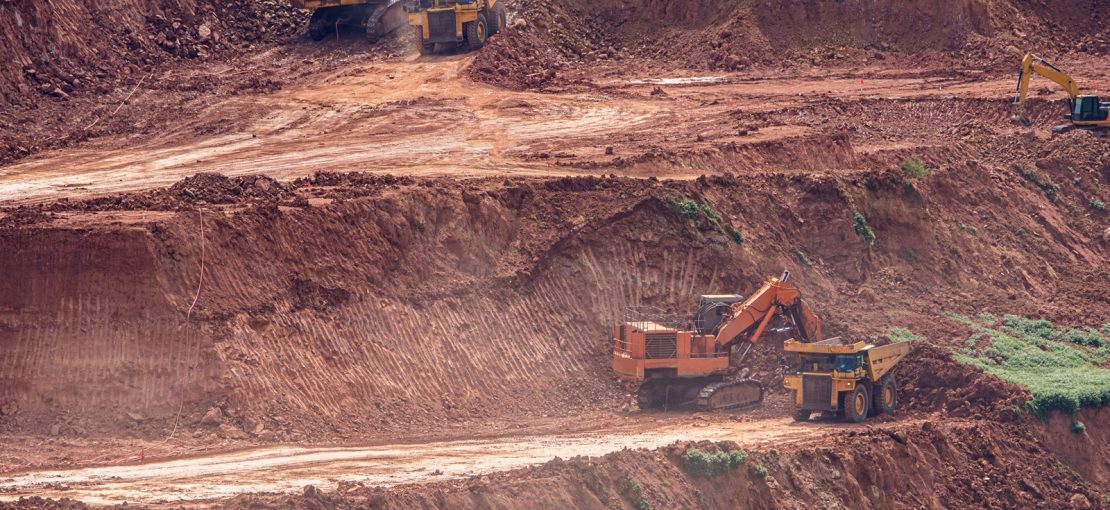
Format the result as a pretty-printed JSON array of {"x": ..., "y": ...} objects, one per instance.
[
  {"x": 857, "y": 404},
  {"x": 477, "y": 32},
  {"x": 499, "y": 19},
  {"x": 885, "y": 397},
  {"x": 317, "y": 26},
  {"x": 802, "y": 414}
]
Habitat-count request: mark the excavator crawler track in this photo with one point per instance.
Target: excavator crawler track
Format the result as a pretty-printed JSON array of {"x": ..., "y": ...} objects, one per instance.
[{"x": 736, "y": 394}]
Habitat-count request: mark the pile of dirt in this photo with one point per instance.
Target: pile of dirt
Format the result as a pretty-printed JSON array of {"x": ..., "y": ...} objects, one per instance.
[
  {"x": 928, "y": 466},
  {"x": 219, "y": 189},
  {"x": 549, "y": 37},
  {"x": 930, "y": 380},
  {"x": 72, "y": 66},
  {"x": 59, "y": 49}
]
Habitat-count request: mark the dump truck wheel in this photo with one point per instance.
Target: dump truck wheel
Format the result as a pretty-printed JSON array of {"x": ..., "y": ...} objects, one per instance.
[
  {"x": 885, "y": 397},
  {"x": 317, "y": 26},
  {"x": 498, "y": 19},
  {"x": 477, "y": 32},
  {"x": 857, "y": 403},
  {"x": 802, "y": 414}
]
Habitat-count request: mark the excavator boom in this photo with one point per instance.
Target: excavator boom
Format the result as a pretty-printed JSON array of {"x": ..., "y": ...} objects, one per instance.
[
  {"x": 1084, "y": 110},
  {"x": 753, "y": 314},
  {"x": 1033, "y": 64}
]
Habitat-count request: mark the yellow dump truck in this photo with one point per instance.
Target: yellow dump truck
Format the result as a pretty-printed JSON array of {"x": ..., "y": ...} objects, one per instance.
[
  {"x": 456, "y": 22},
  {"x": 851, "y": 380}
]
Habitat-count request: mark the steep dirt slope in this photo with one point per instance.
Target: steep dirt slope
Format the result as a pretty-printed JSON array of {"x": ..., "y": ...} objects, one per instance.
[
  {"x": 551, "y": 37},
  {"x": 343, "y": 304}
]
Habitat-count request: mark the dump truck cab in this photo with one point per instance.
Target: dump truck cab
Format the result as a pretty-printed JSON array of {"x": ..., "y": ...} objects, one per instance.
[
  {"x": 852, "y": 380},
  {"x": 468, "y": 23}
]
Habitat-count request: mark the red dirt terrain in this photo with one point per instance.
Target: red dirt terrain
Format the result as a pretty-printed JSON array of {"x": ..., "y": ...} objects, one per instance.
[{"x": 248, "y": 270}]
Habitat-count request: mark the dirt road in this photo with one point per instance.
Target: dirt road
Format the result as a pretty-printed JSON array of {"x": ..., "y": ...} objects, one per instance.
[
  {"x": 289, "y": 469},
  {"x": 418, "y": 116}
]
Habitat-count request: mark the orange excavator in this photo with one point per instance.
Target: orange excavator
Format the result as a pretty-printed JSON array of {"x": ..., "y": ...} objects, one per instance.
[{"x": 691, "y": 366}]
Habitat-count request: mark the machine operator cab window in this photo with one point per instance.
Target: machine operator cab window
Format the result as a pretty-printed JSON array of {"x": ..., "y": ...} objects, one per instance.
[
  {"x": 1088, "y": 108},
  {"x": 848, "y": 362}
]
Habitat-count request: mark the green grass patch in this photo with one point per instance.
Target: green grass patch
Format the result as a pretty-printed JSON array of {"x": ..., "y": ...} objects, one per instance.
[
  {"x": 708, "y": 465},
  {"x": 862, "y": 228},
  {"x": 904, "y": 335},
  {"x": 760, "y": 471},
  {"x": 1064, "y": 368}
]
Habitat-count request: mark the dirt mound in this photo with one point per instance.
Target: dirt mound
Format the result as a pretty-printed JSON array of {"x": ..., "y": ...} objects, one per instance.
[
  {"x": 219, "y": 189},
  {"x": 930, "y": 380},
  {"x": 58, "y": 49},
  {"x": 928, "y": 466},
  {"x": 549, "y": 37}
]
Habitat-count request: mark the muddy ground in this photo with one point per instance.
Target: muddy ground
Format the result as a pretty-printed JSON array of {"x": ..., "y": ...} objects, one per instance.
[{"x": 274, "y": 264}]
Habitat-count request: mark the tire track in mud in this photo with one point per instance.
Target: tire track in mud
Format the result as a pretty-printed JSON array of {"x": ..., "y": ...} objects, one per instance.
[{"x": 86, "y": 351}]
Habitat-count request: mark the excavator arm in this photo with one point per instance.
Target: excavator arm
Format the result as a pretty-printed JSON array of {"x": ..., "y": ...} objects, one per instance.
[
  {"x": 749, "y": 318},
  {"x": 1033, "y": 64}
]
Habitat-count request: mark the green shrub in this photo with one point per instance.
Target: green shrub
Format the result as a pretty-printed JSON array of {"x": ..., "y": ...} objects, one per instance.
[
  {"x": 1043, "y": 181},
  {"x": 914, "y": 168},
  {"x": 737, "y": 236},
  {"x": 1098, "y": 205},
  {"x": 988, "y": 319},
  {"x": 634, "y": 492},
  {"x": 1078, "y": 427},
  {"x": 708, "y": 465},
  {"x": 761, "y": 471},
  {"x": 1088, "y": 336},
  {"x": 693, "y": 210},
  {"x": 969, "y": 229},
  {"x": 862, "y": 228}
]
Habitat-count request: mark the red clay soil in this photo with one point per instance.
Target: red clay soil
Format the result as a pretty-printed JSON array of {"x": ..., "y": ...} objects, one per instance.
[
  {"x": 929, "y": 380},
  {"x": 950, "y": 465},
  {"x": 338, "y": 305},
  {"x": 555, "y": 39}
]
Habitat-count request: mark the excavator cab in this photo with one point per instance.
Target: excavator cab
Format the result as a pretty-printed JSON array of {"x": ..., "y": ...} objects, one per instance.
[{"x": 1089, "y": 108}]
